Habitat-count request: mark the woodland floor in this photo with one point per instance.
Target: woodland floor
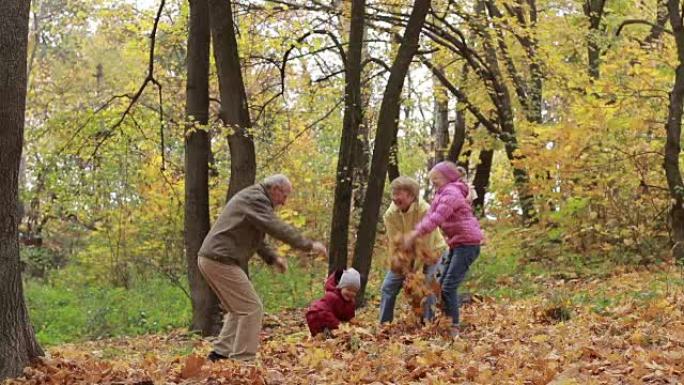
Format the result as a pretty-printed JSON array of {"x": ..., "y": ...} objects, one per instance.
[{"x": 624, "y": 328}]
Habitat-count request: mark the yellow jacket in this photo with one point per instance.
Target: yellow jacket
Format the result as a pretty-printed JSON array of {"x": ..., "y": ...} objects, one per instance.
[{"x": 399, "y": 223}]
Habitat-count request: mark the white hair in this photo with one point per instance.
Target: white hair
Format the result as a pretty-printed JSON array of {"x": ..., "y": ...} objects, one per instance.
[{"x": 276, "y": 180}]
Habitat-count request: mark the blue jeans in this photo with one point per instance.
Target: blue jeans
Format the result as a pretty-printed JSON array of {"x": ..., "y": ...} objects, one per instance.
[
  {"x": 456, "y": 266},
  {"x": 390, "y": 289}
]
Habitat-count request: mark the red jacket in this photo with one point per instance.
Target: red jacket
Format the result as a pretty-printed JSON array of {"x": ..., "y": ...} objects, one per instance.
[{"x": 330, "y": 310}]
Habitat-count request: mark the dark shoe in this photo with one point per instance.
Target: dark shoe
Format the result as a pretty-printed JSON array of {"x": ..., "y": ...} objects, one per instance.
[
  {"x": 213, "y": 357},
  {"x": 327, "y": 333},
  {"x": 454, "y": 331}
]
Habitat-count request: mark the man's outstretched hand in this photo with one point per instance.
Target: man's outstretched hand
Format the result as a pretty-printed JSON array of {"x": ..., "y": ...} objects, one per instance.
[
  {"x": 280, "y": 264},
  {"x": 319, "y": 248}
]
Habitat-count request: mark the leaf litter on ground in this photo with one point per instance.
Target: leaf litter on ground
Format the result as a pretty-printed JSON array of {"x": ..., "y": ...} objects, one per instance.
[{"x": 632, "y": 341}]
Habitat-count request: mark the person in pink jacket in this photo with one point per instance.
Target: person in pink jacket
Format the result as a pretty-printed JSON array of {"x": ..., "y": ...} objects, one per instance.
[{"x": 452, "y": 213}]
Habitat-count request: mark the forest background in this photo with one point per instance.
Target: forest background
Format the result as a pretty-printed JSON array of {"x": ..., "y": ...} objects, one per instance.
[{"x": 565, "y": 113}]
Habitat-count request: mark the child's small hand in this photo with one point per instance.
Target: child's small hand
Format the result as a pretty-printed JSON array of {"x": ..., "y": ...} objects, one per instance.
[{"x": 409, "y": 240}]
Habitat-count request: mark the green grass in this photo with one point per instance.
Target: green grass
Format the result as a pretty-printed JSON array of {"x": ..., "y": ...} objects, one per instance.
[
  {"x": 295, "y": 288},
  {"x": 499, "y": 271},
  {"x": 69, "y": 307},
  {"x": 66, "y": 308},
  {"x": 64, "y": 314}
]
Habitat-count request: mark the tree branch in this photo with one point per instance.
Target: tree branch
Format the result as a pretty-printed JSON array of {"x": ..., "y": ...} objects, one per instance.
[
  {"x": 491, "y": 127},
  {"x": 103, "y": 136},
  {"x": 629, "y": 22}
]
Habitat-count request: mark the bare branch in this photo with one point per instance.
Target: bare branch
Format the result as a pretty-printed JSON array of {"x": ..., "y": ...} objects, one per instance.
[
  {"x": 283, "y": 63},
  {"x": 304, "y": 130},
  {"x": 629, "y": 22},
  {"x": 491, "y": 127},
  {"x": 148, "y": 79}
]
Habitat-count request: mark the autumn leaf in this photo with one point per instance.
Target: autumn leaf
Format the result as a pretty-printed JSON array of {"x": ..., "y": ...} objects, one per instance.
[{"x": 192, "y": 367}]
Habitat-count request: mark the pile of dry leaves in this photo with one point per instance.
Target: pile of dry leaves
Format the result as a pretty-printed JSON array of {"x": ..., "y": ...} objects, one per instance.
[{"x": 636, "y": 340}]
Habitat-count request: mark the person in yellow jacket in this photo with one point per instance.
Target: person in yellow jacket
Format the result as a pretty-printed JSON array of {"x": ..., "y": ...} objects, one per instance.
[{"x": 405, "y": 211}]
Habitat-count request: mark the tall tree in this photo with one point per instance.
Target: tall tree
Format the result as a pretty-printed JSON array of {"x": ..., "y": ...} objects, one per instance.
[
  {"x": 362, "y": 143},
  {"x": 339, "y": 228},
  {"x": 17, "y": 340},
  {"x": 234, "y": 111},
  {"x": 673, "y": 128},
  {"x": 488, "y": 69},
  {"x": 393, "y": 165},
  {"x": 386, "y": 132},
  {"x": 440, "y": 126},
  {"x": 501, "y": 96},
  {"x": 659, "y": 26},
  {"x": 593, "y": 9},
  {"x": 481, "y": 180},
  {"x": 197, "y": 149}
]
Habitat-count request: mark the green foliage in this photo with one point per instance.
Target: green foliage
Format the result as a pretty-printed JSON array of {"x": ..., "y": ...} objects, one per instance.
[
  {"x": 108, "y": 201},
  {"x": 74, "y": 306},
  {"x": 68, "y": 310},
  {"x": 39, "y": 261},
  {"x": 501, "y": 270},
  {"x": 296, "y": 288}
]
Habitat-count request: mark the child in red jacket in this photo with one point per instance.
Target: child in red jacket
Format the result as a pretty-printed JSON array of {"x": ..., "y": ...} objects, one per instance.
[{"x": 337, "y": 305}]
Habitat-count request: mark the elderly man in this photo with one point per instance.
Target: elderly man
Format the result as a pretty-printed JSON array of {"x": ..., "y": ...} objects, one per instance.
[
  {"x": 223, "y": 258},
  {"x": 405, "y": 211}
]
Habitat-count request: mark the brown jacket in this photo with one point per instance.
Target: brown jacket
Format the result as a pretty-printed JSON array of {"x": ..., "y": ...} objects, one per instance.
[{"x": 240, "y": 230}]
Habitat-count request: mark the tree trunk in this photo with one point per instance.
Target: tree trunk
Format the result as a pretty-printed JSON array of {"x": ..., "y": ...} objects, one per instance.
[
  {"x": 361, "y": 165},
  {"x": 339, "y": 228},
  {"x": 18, "y": 344},
  {"x": 459, "y": 136},
  {"x": 481, "y": 181},
  {"x": 441, "y": 122},
  {"x": 673, "y": 127},
  {"x": 593, "y": 9},
  {"x": 234, "y": 112},
  {"x": 362, "y": 141},
  {"x": 386, "y": 132},
  {"x": 504, "y": 106},
  {"x": 205, "y": 310},
  {"x": 393, "y": 166},
  {"x": 659, "y": 27}
]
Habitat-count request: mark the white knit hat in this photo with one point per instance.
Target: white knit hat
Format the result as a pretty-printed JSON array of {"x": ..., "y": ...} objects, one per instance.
[{"x": 351, "y": 279}]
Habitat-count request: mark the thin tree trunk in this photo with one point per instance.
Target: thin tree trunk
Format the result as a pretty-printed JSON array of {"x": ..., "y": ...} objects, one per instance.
[
  {"x": 506, "y": 117},
  {"x": 393, "y": 166},
  {"x": 205, "y": 310},
  {"x": 234, "y": 112},
  {"x": 18, "y": 344},
  {"x": 386, "y": 132},
  {"x": 361, "y": 164},
  {"x": 661, "y": 19},
  {"x": 481, "y": 181},
  {"x": 362, "y": 142},
  {"x": 339, "y": 228},
  {"x": 593, "y": 9},
  {"x": 459, "y": 136},
  {"x": 673, "y": 127},
  {"x": 440, "y": 128},
  {"x": 441, "y": 122}
]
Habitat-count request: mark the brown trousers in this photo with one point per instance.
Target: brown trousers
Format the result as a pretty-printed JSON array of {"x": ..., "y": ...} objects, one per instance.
[{"x": 239, "y": 337}]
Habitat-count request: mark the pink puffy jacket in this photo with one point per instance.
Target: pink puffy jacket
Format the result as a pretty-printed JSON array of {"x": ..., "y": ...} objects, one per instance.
[{"x": 452, "y": 213}]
